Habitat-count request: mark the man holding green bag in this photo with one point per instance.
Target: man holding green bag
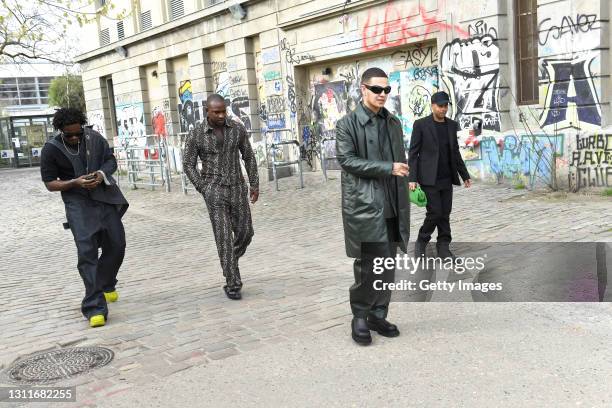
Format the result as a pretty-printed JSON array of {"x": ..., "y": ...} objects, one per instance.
[{"x": 436, "y": 165}]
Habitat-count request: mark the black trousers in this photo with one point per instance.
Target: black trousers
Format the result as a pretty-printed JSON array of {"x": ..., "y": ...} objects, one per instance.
[
  {"x": 96, "y": 225},
  {"x": 364, "y": 298},
  {"x": 439, "y": 206},
  {"x": 230, "y": 216}
]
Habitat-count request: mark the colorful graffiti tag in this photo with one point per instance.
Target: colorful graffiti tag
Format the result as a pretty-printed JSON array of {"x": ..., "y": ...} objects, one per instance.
[
  {"x": 399, "y": 25},
  {"x": 130, "y": 121},
  {"x": 570, "y": 70},
  {"x": 186, "y": 108},
  {"x": 526, "y": 158}
]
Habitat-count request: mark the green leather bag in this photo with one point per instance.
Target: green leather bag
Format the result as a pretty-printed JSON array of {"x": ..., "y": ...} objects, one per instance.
[{"x": 418, "y": 197}]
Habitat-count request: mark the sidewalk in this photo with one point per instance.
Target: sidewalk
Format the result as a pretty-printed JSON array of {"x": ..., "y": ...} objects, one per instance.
[{"x": 175, "y": 335}]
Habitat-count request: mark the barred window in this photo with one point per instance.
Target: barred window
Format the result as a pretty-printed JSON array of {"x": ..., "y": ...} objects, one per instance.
[{"x": 526, "y": 26}]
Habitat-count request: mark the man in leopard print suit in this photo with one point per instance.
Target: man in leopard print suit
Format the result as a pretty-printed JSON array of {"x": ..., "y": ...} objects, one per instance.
[{"x": 219, "y": 141}]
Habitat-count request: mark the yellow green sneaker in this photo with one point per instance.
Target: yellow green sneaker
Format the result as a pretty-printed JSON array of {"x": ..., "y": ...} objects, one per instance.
[
  {"x": 97, "y": 321},
  {"x": 111, "y": 296}
]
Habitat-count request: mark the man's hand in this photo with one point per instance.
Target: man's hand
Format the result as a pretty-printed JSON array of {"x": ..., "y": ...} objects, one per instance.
[
  {"x": 400, "y": 169},
  {"x": 467, "y": 183},
  {"x": 412, "y": 186},
  {"x": 254, "y": 194},
  {"x": 88, "y": 183}
]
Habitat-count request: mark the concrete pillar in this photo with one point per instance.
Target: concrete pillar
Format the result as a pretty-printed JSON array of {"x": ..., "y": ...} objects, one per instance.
[
  {"x": 198, "y": 67},
  {"x": 167, "y": 83},
  {"x": 273, "y": 79},
  {"x": 130, "y": 95},
  {"x": 243, "y": 83}
]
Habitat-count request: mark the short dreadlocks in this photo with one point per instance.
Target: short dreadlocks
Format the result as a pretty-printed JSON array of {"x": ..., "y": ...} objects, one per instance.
[{"x": 68, "y": 116}]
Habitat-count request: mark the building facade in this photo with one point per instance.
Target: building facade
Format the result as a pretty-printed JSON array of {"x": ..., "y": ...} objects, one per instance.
[
  {"x": 529, "y": 79},
  {"x": 25, "y": 114}
]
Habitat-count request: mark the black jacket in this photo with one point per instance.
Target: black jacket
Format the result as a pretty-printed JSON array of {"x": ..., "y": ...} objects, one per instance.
[
  {"x": 423, "y": 153},
  {"x": 99, "y": 157},
  {"x": 363, "y": 197}
]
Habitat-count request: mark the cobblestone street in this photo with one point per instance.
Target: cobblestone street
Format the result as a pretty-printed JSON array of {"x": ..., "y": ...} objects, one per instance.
[{"x": 172, "y": 315}]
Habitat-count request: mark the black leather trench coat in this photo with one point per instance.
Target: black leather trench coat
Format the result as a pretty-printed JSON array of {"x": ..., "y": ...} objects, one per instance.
[{"x": 358, "y": 152}]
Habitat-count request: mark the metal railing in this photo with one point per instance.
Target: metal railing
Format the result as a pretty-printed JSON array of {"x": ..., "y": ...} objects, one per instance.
[
  {"x": 324, "y": 157},
  {"x": 144, "y": 161},
  {"x": 277, "y": 146},
  {"x": 186, "y": 185}
]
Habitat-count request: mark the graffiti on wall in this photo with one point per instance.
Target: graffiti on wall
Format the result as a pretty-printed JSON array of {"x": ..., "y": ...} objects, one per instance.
[
  {"x": 568, "y": 26},
  {"x": 329, "y": 105},
  {"x": 569, "y": 65},
  {"x": 410, "y": 97},
  {"x": 591, "y": 162},
  {"x": 527, "y": 158},
  {"x": 96, "y": 120},
  {"x": 399, "y": 25},
  {"x": 130, "y": 121},
  {"x": 261, "y": 90},
  {"x": 186, "y": 107},
  {"x": 276, "y": 121},
  {"x": 291, "y": 57},
  {"x": 158, "y": 120},
  {"x": 470, "y": 70},
  {"x": 241, "y": 110},
  {"x": 571, "y": 98},
  {"x": 481, "y": 28},
  {"x": 418, "y": 56}
]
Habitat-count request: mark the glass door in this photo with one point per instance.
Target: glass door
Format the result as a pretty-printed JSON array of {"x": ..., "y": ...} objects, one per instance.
[
  {"x": 7, "y": 153},
  {"x": 38, "y": 135},
  {"x": 19, "y": 140}
]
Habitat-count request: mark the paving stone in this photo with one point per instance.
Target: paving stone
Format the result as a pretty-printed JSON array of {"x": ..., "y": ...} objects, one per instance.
[
  {"x": 221, "y": 354},
  {"x": 173, "y": 314}
]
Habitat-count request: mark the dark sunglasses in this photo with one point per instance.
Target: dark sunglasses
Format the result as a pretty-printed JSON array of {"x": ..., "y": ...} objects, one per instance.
[
  {"x": 69, "y": 135},
  {"x": 378, "y": 89}
]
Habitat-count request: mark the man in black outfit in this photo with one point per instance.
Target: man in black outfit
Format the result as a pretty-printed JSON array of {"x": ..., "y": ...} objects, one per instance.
[
  {"x": 79, "y": 163},
  {"x": 375, "y": 206},
  {"x": 434, "y": 160}
]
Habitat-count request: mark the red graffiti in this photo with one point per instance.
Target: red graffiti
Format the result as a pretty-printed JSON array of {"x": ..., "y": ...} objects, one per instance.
[
  {"x": 397, "y": 30},
  {"x": 159, "y": 124}
]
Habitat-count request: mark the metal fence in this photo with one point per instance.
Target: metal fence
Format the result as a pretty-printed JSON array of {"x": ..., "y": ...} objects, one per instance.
[
  {"x": 143, "y": 162},
  {"x": 280, "y": 152},
  {"x": 149, "y": 161}
]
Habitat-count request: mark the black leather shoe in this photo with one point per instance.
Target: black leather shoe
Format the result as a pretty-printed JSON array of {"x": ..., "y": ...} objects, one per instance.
[
  {"x": 445, "y": 252},
  {"x": 420, "y": 248},
  {"x": 360, "y": 331},
  {"x": 232, "y": 293},
  {"x": 383, "y": 327}
]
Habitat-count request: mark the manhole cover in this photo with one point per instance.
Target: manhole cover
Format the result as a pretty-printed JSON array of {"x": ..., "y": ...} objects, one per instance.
[{"x": 56, "y": 365}]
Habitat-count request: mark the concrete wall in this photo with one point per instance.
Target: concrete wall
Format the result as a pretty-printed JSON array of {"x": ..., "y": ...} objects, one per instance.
[{"x": 296, "y": 65}]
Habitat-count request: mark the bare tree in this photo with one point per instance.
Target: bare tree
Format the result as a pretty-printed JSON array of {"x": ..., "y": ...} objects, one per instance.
[{"x": 37, "y": 30}]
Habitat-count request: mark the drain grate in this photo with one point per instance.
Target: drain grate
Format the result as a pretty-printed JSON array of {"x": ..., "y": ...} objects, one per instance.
[{"x": 48, "y": 367}]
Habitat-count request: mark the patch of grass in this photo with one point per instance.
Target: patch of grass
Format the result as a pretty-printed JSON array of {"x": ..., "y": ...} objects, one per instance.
[
  {"x": 607, "y": 192},
  {"x": 519, "y": 186}
]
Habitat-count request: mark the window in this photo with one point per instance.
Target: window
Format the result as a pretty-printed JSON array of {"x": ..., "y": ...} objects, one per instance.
[
  {"x": 24, "y": 91},
  {"x": 145, "y": 21},
  {"x": 176, "y": 9},
  {"x": 104, "y": 37},
  {"x": 120, "y": 30},
  {"x": 526, "y": 45}
]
